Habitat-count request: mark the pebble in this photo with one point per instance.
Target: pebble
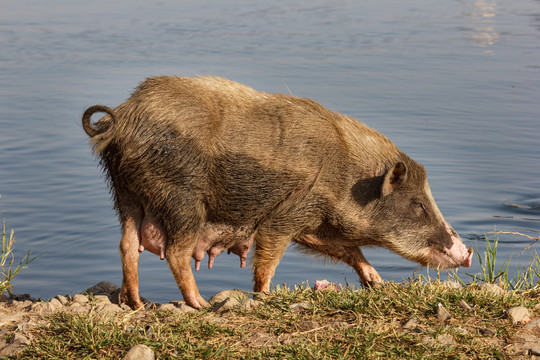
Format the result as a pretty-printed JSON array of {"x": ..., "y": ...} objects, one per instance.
[
  {"x": 462, "y": 304},
  {"x": 80, "y": 298},
  {"x": 62, "y": 299},
  {"x": 412, "y": 323},
  {"x": 534, "y": 325},
  {"x": 307, "y": 325},
  {"x": 492, "y": 288},
  {"x": 139, "y": 352},
  {"x": 442, "y": 313},
  {"x": 299, "y": 307},
  {"x": 226, "y": 304},
  {"x": 259, "y": 340},
  {"x": 518, "y": 315},
  {"x": 249, "y": 304},
  {"x": 223, "y": 295}
]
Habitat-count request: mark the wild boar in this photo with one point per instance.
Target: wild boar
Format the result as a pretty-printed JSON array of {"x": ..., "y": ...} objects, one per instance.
[{"x": 204, "y": 165}]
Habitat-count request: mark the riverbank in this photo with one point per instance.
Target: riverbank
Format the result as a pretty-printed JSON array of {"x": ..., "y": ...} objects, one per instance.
[{"x": 409, "y": 320}]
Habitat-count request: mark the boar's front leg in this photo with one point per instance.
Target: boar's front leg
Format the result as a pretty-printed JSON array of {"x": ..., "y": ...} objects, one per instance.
[
  {"x": 350, "y": 255},
  {"x": 178, "y": 254},
  {"x": 129, "y": 253}
]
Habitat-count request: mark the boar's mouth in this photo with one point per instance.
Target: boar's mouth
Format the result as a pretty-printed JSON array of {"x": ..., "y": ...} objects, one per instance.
[{"x": 448, "y": 258}]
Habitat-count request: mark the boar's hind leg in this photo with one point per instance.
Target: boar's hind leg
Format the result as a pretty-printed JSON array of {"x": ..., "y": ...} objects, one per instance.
[
  {"x": 179, "y": 258},
  {"x": 130, "y": 261},
  {"x": 268, "y": 252}
]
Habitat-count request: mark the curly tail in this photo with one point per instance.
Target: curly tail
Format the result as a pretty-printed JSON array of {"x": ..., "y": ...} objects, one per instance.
[{"x": 104, "y": 129}]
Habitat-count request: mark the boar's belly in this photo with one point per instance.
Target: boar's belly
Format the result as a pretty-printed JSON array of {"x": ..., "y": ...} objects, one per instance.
[
  {"x": 216, "y": 238},
  {"x": 152, "y": 236}
]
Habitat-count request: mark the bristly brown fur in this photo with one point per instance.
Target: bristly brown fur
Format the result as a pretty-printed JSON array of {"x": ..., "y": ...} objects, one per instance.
[{"x": 189, "y": 152}]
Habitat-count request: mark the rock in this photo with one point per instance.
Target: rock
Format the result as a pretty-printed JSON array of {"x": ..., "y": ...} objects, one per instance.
[
  {"x": 462, "y": 304},
  {"x": 260, "y": 339},
  {"x": 62, "y": 299},
  {"x": 301, "y": 306},
  {"x": 223, "y": 295},
  {"x": 307, "y": 325},
  {"x": 3, "y": 298},
  {"x": 17, "y": 343},
  {"x": 55, "y": 304},
  {"x": 80, "y": 298},
  {"x": 442, "y": 313},
  {"x": 533, "y": 325},
  {"x": 325, "y": 285},
  {"x": 412, "y": 323},
  {"x": 535, "y": 350},
  {"x": 492, "y": 288},
  {"x": 108, "y": 308},
  {"x": 139, "y": 352},
  {"x": 249, "y": 304},
  {"x": 44, "y": 307},
  {"x": 185, "y": 308},
  {"x": 102, "y": 288},
  {"x": 226, "y": 304},
  {"x": 167, "y": 307},
  {"x": 487, "y": 332},
  {"x": 101, "y": 299},
  {"x": 445, "y": 340},
  {"x": 77, "y": 308},
  {"x": 518, "y": 315}
]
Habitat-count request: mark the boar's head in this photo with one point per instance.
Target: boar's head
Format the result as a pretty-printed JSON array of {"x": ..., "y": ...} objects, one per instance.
[{"x": 406, "y": 219}]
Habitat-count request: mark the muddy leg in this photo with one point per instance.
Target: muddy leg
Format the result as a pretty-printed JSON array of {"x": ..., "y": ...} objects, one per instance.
[
  {"x": 268, "y": 252},
  {"x": 178, "y": 255},
  {"x": 130, "y": 261}
]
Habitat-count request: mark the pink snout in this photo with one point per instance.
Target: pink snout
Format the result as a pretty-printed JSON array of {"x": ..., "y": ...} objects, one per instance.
[{"x": 461, "y": 254}]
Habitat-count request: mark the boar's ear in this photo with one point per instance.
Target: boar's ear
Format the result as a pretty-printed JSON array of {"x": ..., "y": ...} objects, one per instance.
[{"x": 394, "y": 178}]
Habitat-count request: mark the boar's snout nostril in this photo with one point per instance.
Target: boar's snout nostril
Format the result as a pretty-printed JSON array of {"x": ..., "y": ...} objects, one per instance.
[{"x": 470, "y": 250}]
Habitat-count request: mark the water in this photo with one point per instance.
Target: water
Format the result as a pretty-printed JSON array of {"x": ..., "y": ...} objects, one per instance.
[{"x": 454, "y": 84}]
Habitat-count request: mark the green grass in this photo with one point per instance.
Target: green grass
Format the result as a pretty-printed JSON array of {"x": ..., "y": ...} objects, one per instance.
[
  {"x": 8, "y": 269},
  {"x": 349, "y": 324}
]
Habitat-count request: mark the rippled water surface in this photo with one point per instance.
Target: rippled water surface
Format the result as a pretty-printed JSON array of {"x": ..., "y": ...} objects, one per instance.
[{"x": 455, "y": 84}]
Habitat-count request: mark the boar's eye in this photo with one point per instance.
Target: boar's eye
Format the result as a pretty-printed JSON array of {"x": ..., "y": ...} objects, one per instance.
[{"x": 419, "y": 207}]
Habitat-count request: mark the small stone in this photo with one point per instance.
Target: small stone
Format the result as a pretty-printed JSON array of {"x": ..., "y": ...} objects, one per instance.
[
  {"x": 167, "y": 307},
  {"x": 533, "y": 325},
  {"x": 108, "y": 308},
  {"x": 43, "y": 307},
  {"x": 462, "y": 304},
  {"x": 412, "y": 323},
  {"x": 325, "y": 285},
  {"x": 442, "y": 313},
  {"x": 249, "y": 304},
  {"x": 77, "y": 308},
  {"x": 185, "y": 308},
  {"x": 139, "y": 352},
  {"x": 3, "y": 298},
  {"x": 518, "y": 315},
  {"x": 299, "y": 307},
  {"x": 101, "y": 299},
  {"x": 80, "y": 298},
  {"x": 446, "y": 340},
  {"x": 62, "y": 299},
  {"x": 308, "y": 325},
  {"x": 223, "y": 295},
  {"x": 102, "y": 288},
  {"x": 260, "y": 339},
  {"x": 487, "y": 332},
  {"x": 492, "y": 288},
  {"x": 535, "y": 350},
  {"x": 226, "y": 304},
  {"x": 55, "y": 304}
]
